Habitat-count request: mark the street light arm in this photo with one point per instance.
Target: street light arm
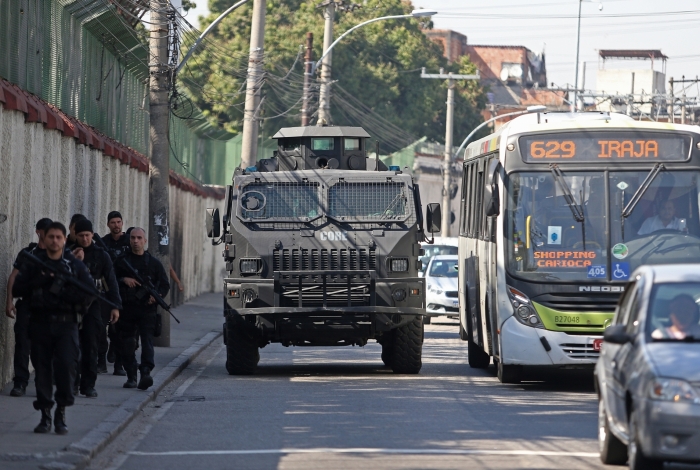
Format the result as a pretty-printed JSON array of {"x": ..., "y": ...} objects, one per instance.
[
  {"x": 207, "y": 31},
  {"x": 530, "y": 109},
  {"x": 320, "y": 60}
]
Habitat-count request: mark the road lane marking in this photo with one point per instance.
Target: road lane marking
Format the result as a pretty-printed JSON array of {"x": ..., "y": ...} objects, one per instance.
[{"x": 370, "y": 450}]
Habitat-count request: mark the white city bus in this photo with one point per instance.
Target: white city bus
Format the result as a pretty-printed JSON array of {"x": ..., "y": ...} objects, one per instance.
[{"x": 557, "y": 210}]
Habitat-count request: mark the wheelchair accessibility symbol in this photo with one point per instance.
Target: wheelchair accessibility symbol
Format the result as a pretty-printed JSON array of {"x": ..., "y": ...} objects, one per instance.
[{"x": 620, "y": 271}]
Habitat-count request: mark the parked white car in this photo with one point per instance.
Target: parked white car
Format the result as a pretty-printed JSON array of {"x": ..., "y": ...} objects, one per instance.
[
  {"x": 441, "y": 296},
  {"x": 440, "y": 246}
]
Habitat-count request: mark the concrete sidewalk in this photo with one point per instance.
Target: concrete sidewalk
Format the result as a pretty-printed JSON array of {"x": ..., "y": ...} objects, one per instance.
[{"x": 92, "y": 423}]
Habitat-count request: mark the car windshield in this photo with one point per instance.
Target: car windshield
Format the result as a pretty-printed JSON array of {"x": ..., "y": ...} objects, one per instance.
[
  {"x": 443, "y": 268},
  {"x": 552, "y": 240},
  {"x": 434, "y": 250},
  {"x": 674, "y": 314},
  {"x": 368, "y": 201},
  {"x": 279, "y": 200}
]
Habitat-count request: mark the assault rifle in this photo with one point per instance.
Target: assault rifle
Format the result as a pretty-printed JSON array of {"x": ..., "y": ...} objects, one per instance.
[
  {"x": 63, "y": 278},
  {"x": 148, "y": 285}
]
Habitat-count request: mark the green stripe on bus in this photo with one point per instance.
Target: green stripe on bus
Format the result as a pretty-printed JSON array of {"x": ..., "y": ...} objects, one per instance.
[{"x": 573, "y": 322}]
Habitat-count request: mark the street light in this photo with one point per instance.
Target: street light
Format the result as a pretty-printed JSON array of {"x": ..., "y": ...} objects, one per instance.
[
  {"x": 578, "y": 44},
  {"x": 413, "y": 14}
]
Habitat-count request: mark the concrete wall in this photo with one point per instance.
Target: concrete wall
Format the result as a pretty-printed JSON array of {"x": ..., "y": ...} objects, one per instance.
[{"x": 43, "y": 173}]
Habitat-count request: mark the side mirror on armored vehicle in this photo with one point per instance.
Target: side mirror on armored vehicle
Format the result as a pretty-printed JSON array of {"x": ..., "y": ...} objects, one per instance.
[
  {"x": 433, "y": 218},
  {"x": 213, "y": 223},
  {"x": 492, "y": 203}
]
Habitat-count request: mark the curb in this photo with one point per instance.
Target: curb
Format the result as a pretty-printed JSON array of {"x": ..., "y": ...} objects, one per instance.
[{"x": 79, "y": 454}]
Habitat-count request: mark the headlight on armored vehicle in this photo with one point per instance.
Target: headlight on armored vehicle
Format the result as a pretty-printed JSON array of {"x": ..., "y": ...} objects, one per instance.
[
  {"x": 524, "y": 311},
  {"x": 674, "y": 390},
  {"x": 250, "y": 265},
  {"x": 399, "y": 265}
]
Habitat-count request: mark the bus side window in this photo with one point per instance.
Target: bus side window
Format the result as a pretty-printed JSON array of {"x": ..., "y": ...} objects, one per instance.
[
  {"x": 470, "y": 202},
  {"x": 479, "y": 230},
  {"x": 473, "y": 205},
  {"x": 465, "y": 202}
]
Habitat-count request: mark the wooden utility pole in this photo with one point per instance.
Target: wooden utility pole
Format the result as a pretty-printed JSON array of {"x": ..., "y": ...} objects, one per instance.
[
  {"x": 158, "y": 147},
  {"x": 249, "y": 144},
  {"x": 449, "y": 127},
  {"x": 308, "y": 68}
]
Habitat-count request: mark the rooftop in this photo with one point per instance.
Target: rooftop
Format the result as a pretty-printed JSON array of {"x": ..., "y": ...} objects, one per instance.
[
  {"x": 632, "y": 54},
  {"x": 320, "y": 131}
]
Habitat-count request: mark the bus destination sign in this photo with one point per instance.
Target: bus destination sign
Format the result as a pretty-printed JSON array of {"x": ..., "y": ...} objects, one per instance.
[{"x": 622, "y": 146}]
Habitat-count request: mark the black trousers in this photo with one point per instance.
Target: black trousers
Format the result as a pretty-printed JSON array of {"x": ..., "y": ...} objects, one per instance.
[
  {"x": 102, "y": 343},
  {"x": 55, "y": 352},
  {"x": 89, "y": 336},
  {"x": 22, "y": 343},
  {"x": 132, "y": 325}
]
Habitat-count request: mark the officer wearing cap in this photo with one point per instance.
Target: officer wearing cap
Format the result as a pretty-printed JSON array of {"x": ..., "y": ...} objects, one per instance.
[
  {"x": 99, "y": 264},
  {"x": 71, "y": 229},
  {"x": 21, "y": 313},
  {"x": 55, "y": 308}
]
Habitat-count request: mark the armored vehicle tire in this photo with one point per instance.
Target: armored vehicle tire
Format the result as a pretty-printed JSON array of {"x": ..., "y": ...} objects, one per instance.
[
  {"x": 407, "y": 348},
  {"x": 478, "y": 359},
  {"x": 242, "y": 354},
  {"x": 509, "y": 374}
]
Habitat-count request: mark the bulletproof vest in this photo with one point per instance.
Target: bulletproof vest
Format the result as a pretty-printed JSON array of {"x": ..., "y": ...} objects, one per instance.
[
  {"x": 95, "y": 262},
  {"x": 137, "y": 295},
  {"x": 116, "y": 248},
  {"x": 54, "y": 296}
]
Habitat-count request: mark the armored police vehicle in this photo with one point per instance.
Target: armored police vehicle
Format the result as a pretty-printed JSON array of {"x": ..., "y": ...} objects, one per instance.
[{"x": 321, "y": 247}]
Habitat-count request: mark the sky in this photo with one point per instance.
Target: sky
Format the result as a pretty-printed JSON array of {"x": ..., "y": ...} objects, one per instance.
[{"x": 550, "y": 25}]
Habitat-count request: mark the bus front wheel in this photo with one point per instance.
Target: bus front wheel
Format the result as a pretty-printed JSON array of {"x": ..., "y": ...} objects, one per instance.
[
  {"x": 509, "y": 374},
  {"x": 478, "y": 359}
]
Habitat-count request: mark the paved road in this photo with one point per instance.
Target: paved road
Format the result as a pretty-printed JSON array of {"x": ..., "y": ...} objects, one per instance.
[{"x": 340, "y": 408}]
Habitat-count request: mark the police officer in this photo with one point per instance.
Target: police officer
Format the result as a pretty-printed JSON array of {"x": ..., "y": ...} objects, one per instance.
[
  {"x": 21, "y": 313},
  {"x": 116, "y": 243},
  {"x": 99, "y": 264},
  {"x": 139, "y": 309},
  {"x": 53, "y": 325},
  {"x": 70, "y": 243}
]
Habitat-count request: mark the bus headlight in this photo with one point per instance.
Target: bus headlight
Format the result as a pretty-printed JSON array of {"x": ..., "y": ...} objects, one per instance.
[{"x": 524, "y": 311}]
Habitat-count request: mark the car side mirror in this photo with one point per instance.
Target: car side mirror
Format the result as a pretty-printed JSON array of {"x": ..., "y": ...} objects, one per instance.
[
  {"x": 492, "y": 204},
  {"x": 617, "y": 334},
  {"x": 433, "y": 219},
  {"x": 213, "y": 223}
]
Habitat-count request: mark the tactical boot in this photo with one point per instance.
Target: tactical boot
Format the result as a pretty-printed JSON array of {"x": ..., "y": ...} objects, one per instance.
[
  {"x": 119, "y": 369},
  {"x": 19, "y": 390},
  {"x": 146, "y": 379},
  {"x": 89, "y": 392},
  {"x": 44, "y": 425},
  {"x": 59, "y": 420},
  {"x": 101, "y": 364},
  {"x": 130, "y": 378}
]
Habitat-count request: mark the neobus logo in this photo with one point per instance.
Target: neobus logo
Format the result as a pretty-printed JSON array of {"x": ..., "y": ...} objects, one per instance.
[{"x": 601, "y": 288}]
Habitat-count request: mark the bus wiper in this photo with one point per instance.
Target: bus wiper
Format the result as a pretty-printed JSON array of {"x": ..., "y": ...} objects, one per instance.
[
  {"x": 637, "y": 196},
  {"x": 576, "y": 209}
]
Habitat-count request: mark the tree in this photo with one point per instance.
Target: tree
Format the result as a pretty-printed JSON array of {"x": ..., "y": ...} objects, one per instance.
[{"x": 376, "y": 69}]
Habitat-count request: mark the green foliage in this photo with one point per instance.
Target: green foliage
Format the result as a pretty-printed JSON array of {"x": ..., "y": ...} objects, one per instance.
[{"x": 378, "y": 65}]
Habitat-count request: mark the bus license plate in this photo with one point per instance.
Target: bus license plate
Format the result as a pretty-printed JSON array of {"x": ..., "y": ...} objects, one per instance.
[{"x": 597, "y": 343}]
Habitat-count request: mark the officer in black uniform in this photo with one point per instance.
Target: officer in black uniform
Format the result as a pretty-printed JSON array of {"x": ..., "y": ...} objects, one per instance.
[
  {"x": 70, "y": 243},
  {"x": 21, "y": 313},
  {"x": 99, "y": 264},
  {"x": 53, "y": 325},
  {"x": 116, "y": 243},
  {"x": 139, "y": 309}
]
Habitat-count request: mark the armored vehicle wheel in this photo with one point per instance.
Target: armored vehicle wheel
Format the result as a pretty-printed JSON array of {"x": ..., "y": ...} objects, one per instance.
[
  {"x": 407, "y": 348},
  {"x": 478, "y": 359},
  {"x": 242, "y": 353}
]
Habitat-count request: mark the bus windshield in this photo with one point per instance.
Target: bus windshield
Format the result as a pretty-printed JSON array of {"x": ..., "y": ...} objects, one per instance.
[{"x": 548, "y": 242}]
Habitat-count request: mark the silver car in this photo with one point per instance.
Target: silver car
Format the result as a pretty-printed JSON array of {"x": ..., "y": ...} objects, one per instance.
[{"x": 648, "y": 374}]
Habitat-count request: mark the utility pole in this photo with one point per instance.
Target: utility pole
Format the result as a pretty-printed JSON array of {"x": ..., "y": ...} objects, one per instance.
[
  {"x": 308, "y": 68},
  {"x": 249, "y": 144},
  {"x": 158, "y": 147},
  {"x": 449, "y": 127},
  {"x": 671, "y": 111},
  {"x": 324, "y": 99}
]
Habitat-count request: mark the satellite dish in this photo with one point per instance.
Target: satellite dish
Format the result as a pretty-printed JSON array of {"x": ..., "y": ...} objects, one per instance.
[
  {"x": 516, "y": 71},
  {"x": 505, "y": 73}
]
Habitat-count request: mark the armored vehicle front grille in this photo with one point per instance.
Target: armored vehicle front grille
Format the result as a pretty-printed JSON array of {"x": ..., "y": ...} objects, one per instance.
[
  {"x": 312, "y": 260},
  {"x": 324, "y": 289}
]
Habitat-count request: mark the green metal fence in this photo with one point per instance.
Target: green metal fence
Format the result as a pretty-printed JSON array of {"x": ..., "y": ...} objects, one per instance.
[{"x": 84, "y": 58}]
